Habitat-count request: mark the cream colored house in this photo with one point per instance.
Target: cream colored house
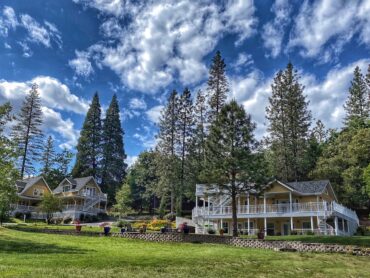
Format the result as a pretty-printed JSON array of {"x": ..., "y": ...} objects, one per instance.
[
  {"x": 79, "y": 196},
  {"x": 30, "y": 192},
  {"x": 280, "y": 209}
]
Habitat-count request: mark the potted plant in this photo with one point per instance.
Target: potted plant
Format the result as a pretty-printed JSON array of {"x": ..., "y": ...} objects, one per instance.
[
  {"x": 261, "y": 234},
  {"x": 186, "y": 228},
  {"x": 222, "y": 232},
  {"x": 78, "y": 226},
  {"x": 211, "y": 231}
]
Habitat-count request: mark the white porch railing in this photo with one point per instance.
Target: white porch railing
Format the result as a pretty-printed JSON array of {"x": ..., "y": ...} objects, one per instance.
[
  {"x": 265, "y": 209},
  {"x": 345, "y": 211}
]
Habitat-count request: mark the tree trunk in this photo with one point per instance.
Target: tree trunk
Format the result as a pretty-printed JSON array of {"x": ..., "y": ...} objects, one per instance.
[{"x": 233, "y": 206}]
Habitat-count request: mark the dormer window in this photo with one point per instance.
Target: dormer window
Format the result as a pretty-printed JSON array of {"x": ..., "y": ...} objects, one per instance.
[
  {"x": 38, "y": 192},
  {"x": 66, "y": 188}
]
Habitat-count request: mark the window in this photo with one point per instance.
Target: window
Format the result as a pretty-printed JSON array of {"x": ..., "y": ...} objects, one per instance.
[
  {"x": 270, "y": 229},
  {"x": 306, "y": 225},
  {"x": 225, "y": 227},
  {"x": 246, "y": 225},
  {"x": 66, "y": 188},
  {"x": 38, "y": 192}
]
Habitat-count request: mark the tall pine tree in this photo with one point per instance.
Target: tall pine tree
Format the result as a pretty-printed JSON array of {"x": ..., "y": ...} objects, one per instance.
[
  {"x": 231, "y": 163},
  {"x": 48, "y": 157},
  {"x": 113, "y": 162},
  {"x": 167, "y": 137},
  {"x": 89, "y": 147},
  {"x": 218, "y": 86},
  {"x": 185, "y": 129},
  {"x": 289, "y": 120},
  {"x": 27, "y": 133},
  {"x": 357, "y": 104}
]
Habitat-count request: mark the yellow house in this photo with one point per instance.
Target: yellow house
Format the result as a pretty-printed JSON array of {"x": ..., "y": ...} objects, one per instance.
[
  {"x": 81, "y": 196},
  {"x": 282, "y": 208},
  {"x": 30, "y": 192}
]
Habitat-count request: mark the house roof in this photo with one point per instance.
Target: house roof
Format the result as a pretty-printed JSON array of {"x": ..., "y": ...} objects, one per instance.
[
  {"x": 25, "y": 184},
  {"x": 76, "y": 183},
  {"x": 309, "y": 187}
]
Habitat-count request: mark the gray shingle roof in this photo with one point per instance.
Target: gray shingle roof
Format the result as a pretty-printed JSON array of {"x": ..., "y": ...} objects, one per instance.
[
  {"x": 23, "y": 185},
  {"x": 77, "y": 184},
  {"x": 309, "y": 187}
]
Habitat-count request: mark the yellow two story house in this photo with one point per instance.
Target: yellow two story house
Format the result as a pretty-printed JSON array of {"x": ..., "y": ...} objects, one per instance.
[
  {"x": 30, "y": 192},
  {"x": 81, "y": 196},
  {"x": 282, "y": 208}
]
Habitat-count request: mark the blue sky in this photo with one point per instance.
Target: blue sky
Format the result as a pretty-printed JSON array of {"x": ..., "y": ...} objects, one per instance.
[{"x": 141, "y": 51}]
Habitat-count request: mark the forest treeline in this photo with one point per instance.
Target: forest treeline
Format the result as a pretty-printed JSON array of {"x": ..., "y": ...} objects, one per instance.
[{"x": 203, "y": 137}]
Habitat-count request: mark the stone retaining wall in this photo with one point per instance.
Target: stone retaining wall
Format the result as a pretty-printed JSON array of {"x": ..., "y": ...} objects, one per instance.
[{"x": 278, "y": 245}]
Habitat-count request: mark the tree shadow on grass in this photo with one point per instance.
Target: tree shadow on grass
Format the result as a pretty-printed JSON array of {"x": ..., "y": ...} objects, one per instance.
[{"x": 8, "y": 245}]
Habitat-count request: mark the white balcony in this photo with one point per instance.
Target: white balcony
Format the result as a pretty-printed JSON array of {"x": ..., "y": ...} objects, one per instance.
[{"x": 324, "y": 209}]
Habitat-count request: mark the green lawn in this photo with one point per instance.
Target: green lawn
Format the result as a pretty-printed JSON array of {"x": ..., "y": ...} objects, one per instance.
[{"x": 25, "y": 254}]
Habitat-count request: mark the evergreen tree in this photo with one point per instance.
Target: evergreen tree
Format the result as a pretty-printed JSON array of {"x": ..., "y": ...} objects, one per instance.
[
  {"x": 48, "y": 157},
  {"x": 289, "y": 120},
  {"x": 27, "y": 133},
  {"x": 319, "y": 132},
  {"x": 357, "y": 104},
  {"x": 197, "y": 149},
  {"x": 231, "y": 164},
  {"x": 218, "y": 86},
  {"x": 167, "y": 137},
  {"x": 185, "y": 129},
  {"x": 60, "y": 169},
  {"x": 89, "y": 147},
  {"x": 8, "y": 172},
  {"x": 113, "y": 162}
]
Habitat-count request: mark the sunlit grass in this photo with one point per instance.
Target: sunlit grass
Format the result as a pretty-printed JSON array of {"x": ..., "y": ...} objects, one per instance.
[{"x": 25, "y": 254}]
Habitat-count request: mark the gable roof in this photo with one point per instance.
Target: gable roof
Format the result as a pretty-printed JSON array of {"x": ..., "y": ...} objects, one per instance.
[
  {"x": 309, "y": 187},
  {"x": 77, "y": 183},
  {"x": 26, "y": 183}
]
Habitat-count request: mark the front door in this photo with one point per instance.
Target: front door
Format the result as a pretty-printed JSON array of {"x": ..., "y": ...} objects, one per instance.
[{"x": 285, "y": 229}]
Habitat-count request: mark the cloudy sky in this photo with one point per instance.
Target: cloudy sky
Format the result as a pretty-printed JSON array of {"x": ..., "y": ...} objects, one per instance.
[{"x": 141, "y": 52}]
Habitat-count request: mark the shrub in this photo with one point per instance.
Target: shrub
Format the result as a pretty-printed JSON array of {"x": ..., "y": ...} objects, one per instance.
[
  {"x": 122, "y": 223},
  {"x": 361, "y": 231},
  {"x": 310, "y": 233},
  {"x": 294, "y": 233},
  {"x": 67, "y": 220},
  {"x": 211, "y": 231},
  {"x": 170, "y": 216}
]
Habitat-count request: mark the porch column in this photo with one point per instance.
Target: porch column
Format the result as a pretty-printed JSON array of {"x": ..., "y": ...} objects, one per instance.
[
  {"x": 348, "y": 223},
  {"x": 264, "y": 203},
  {"x": 336, "y": 225},
  {"x": 238, "y": 204},
  {"x": 196, "y": 203},
  {"x": 222, "y": 224},
  {"x": 105, "y": 207},
  {"x": 248, "y": 204},
  {"x": 312, "y": 223},
  {"x": 343, "y": 225},
  {"x": 291, "y": 224},
  {"x": 248, "y": 227},
  {"x": 265, "y": 224},
  {"x": 290, "y": 201}
]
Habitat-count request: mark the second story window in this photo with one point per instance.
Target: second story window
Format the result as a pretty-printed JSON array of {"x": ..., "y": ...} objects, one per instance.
[{"x": 66, "y": 188}]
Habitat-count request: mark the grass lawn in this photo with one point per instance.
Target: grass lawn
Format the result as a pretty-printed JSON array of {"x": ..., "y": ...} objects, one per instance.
[{"x": 25, "y": 254}]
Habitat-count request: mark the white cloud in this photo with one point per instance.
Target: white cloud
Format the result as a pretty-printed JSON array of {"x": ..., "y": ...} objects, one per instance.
[
  {"x": 131, "y": 159},
  {"x": 166, "y": 40},
  {"x": 137, "y": 104},
  {"x": 53, "y": 120},
  {"x": 146, "y": 137},
  {"x": 8, "y": 21},
  {"x": 154, "y": 113},
  {"x": 243, "y": 60},
  {"x": 273, "y": 31},
  {"x": 7, "y": 46},
  {"x": 38, "y": 33},
  {"x": 326, "y": 96},
  {"x": 81, "y": 65},
  {"x": 322, "y": 28},
  {"x": 54, "y": 94}
]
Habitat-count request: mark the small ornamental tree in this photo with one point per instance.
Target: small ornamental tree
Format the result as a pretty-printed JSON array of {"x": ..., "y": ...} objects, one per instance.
[
  {"x": 49, "y": 205},
  {"x": 123, "y": 202}
]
